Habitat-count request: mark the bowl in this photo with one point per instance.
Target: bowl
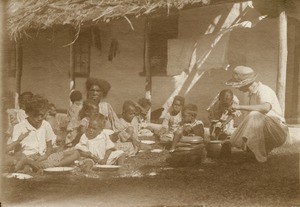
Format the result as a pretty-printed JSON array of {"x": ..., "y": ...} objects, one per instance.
[{"x": 148, "y": 142}]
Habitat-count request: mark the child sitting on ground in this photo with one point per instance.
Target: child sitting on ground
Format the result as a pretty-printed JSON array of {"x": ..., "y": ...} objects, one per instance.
[
  {"x": 73, "y": 115},
  {"x": 89, "y": 110},
  {"x": 221, "y": 115},
  {"x": 127, "y": 139},
  {"x": 172, "y": 120},
  {"x": 52, "y": 119},
  {"x": 59, "y": 158},
  {"x": 143, "y": 109},
  {"x": 96, "y": 144},
  {"x": 190, "y": 125},
  {"x": 145, "y": 128},
  {"x": 37, "y": 144}
]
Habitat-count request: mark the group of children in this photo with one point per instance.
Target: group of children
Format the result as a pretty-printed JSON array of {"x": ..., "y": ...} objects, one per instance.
[{"x": 36, "y": 140}]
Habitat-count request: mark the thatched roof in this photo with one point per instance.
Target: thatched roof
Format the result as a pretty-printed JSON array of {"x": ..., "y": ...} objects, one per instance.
[{"x": 24, "y": 15}]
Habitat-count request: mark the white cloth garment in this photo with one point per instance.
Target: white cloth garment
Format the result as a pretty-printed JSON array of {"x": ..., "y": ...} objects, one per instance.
[
  {"x": 261, "y": 132},
  {"x": 35, "y": 142},
  {"x": 98, "y": 147}
]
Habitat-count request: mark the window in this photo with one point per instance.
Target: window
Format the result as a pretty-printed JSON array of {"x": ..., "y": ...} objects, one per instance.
[
  {"x": 82, "y": 52},
  {"x": 160, "y": 30}
]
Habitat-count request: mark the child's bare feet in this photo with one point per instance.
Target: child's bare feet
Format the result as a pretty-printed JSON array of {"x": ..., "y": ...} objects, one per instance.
[{"x": 86, "y": 165}]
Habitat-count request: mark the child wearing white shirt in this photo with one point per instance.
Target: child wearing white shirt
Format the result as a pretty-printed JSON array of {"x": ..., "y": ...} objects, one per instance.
[
  {"x": 96, "y": 144},
  {"x": 35, "y": 137}
]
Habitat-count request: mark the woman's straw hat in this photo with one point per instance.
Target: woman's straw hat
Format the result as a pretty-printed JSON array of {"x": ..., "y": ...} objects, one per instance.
[{"x": 242, "y": 76}]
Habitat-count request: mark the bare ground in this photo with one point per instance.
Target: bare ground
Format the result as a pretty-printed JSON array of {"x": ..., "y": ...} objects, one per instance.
[{"x": 148, "y": 180}]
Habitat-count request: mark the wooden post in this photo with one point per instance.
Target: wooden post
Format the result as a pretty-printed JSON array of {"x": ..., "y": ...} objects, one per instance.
[
  {"x": 282, "y": 64},
  {"x": 19, "y": 70},
  {"x": 72, "y": 65},
  {"x": 147, "y": 68},
  {"x": 3, "y": 48}
]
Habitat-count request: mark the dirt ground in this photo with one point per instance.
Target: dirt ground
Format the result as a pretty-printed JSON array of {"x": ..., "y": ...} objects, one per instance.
[{"x": 148, "y": 180}]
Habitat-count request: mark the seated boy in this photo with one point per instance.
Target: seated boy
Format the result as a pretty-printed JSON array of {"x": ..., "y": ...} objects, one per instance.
[
  {"x": 127, "y": 139},
  {"x": 34, "y": 135},
  {"x": 96, "y": 144},
  {"x": 172, "y": 120},
  {"x": 190, "y": 126},
  {"x": 59, "y": 158},
  {"x": 37, "y": 145},
  {"x": 221, "y": 115}
]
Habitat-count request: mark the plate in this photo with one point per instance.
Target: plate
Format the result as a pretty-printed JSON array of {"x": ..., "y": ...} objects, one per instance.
[
  {"x": 184, "y": 149},
  {"x": 106, "y": 167},
  {"x": 20, "y": 176},
  {"x": 191, "y": 139},
  {"x": 157, "y": 150},
  {"x": 147, "y": 142},
  {"x": 58, "y": 169}
]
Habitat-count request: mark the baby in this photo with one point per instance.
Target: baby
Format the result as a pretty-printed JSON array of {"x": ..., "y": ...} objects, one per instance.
[{"x": 96, "y": 144}]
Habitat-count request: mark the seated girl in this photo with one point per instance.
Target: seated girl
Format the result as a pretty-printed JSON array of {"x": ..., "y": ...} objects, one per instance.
[
  {"x": 221, "y": 115},
  {"x": 172, "y": 120},
  {"x": 190, "y": 125},
  {"x": 96, "y": 144}
]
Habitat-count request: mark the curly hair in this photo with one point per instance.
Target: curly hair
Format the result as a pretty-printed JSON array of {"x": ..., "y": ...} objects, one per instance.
[
  {"x": 191, "y": 109},
  {"x": 143, "y": 102},
  {"x": 36, "y": 104},
  {"x": 127, "y": 104},
  {"x": 87, "y": 106},
  {"x": 180, "y": 99},
  {"x": 75, "y": 96},
  {"x": 103, "y": 85}
]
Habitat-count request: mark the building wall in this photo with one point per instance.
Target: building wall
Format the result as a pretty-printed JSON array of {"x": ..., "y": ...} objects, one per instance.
[
  {"x": 256, "y": 47},
  {"x": 123, "y": 71},
  {"x": 46, "y": 61},
  {"x": 46, "y": 65}
]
